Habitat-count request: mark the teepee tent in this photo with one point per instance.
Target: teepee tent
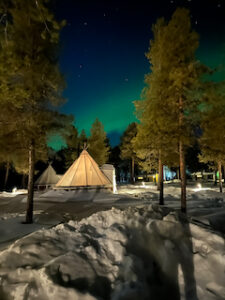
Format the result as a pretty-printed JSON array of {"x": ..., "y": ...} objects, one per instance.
[
  {"x": 48, "y": 178},
  {"x": 84, "y": 172}
]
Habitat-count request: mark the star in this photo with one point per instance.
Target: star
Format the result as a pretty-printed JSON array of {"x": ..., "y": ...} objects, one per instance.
[{"x": 85, "y": 23}]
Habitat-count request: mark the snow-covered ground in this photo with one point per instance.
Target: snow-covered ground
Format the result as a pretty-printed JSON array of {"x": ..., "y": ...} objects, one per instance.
[
  {"x": 205, "y": 205},
  {"x": 135, "y": 250},
  {"x": 14, "y": 193},
  {"x": 144, "y": 252},
  {"x": 12, "y": 227}
]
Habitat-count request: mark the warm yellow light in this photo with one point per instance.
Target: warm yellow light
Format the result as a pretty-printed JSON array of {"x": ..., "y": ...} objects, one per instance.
[{"x": 199, "y": 186}]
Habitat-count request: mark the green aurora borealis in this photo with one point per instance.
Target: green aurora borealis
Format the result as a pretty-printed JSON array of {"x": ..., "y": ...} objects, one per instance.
[{"x": 103, "y": 57}]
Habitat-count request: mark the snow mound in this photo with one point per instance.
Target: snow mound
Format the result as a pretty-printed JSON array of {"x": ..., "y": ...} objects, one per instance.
[
  {"x": 139, "y": 253},
  {"x": 12, "y": 194}
]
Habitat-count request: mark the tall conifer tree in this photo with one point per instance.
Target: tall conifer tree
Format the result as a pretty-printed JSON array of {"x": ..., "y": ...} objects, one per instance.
[
  {"x": 184, "y": 72},
  {"x": 33, "y": 78},
  {"x": 127, "y": 147},
  {"x": 155, "y": 133},
  {"x": 172, "y": 104},
  {"x": 97, "y": 143}
]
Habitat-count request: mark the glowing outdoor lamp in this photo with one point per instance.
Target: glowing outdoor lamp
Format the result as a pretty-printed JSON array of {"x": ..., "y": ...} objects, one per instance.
[
  {"x": 199, "y": 186},
  {"x": 14, "y": 189}
]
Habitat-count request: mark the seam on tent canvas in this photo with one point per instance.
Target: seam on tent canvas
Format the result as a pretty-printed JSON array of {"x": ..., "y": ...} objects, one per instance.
[
  {"x": 48, "y": 180},
  {"x": 93, "y": 163},
  {"x": 85, "y": 167},
  {"x": 75, "y": 171},
  {"x": 102, "y": 173},
  {"x": 61, "y": 180}
]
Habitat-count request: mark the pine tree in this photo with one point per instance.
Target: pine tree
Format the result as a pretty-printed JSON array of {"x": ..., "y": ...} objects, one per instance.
[
  {"x": 127, "y": 147},
  {"x": 97, "y": 144},
  {"x": 181, "y": 43},
  {"x": 154, "y": 143},
  {"x": 32, "y": 78},
  {"x": 168, "y": 115},
  {"x": 147, "y": 155}
]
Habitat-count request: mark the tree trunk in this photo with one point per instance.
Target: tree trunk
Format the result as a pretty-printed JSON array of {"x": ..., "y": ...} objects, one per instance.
[
  {"x": 215, "y": 180},
  {"x": 29, "y": 214},
  {"x": 158, "y": 184},
  {"x": 159, "y": 167},
  {"x": 220, "y": 176},
  {"x": 132, "y": 170},
  {"x": 160, "y": 180},
  {"x": 182, "y": 177},
  {"x": 23, "y": 183},
  {"x": 178, "y": 173},
  {"x": 223, "y": 172},
  {"x": 182, "y": 160},
  {"x": 6, "y": 174}
]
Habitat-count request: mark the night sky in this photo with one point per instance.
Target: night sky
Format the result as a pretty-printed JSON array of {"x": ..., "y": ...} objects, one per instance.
[{"x": 103, "y": 54}]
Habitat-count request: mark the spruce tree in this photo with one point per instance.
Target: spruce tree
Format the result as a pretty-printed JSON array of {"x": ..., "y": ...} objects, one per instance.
[
  {"x": 82, "y": 141},
  {"x": 72, "y": 142},
  {"x": 127, "y": 147},
  {"x": 146, "y": 153},
  {"x": 97, "y": 143}
]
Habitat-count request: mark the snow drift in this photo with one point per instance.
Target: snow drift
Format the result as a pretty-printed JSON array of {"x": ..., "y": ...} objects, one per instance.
[{"x": 138, "y": 253}]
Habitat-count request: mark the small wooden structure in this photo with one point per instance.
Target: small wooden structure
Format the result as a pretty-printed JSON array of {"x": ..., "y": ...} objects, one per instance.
[{"x": 110, "y": 173}]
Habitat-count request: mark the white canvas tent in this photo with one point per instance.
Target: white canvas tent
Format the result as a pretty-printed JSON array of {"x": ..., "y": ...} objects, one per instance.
[
  {"x": 84, "y": 172},
  {"x": 48, "y": 178}
]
